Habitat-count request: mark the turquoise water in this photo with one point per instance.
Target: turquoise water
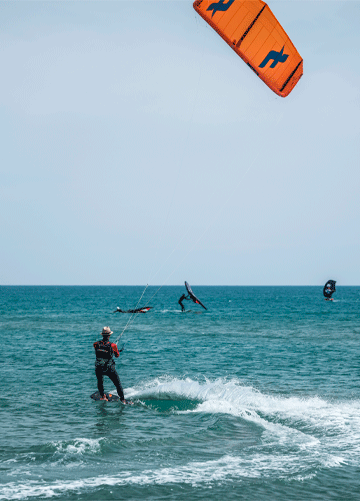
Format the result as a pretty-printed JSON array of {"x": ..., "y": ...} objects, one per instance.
[{"x": 255, "y": 399}]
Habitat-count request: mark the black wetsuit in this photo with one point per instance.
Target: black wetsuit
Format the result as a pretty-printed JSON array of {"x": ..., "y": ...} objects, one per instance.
[
  {"x": 105, "y": 365},
  {"x": 181, "y": 300}
]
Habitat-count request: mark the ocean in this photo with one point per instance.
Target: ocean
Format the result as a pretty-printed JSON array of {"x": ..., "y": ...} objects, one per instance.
[{"x": 257, "y": 398}]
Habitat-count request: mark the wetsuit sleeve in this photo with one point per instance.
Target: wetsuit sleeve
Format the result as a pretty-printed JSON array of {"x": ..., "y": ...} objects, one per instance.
[
  {"x": 115, "y": 350},
  {"x": 95, "y": 345}
]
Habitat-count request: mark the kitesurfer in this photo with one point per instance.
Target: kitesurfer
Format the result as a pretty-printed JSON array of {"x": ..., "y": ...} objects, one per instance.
[
  {"x": 144, "y": 309},
  {"x": 329, "y": 289},
  {"x": 184, "y": 296},
  {"x": 105, "y": 364}
]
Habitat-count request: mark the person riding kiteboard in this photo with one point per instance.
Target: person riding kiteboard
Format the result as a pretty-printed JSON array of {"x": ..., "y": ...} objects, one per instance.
[
  {"x": 184, "y": 296},
  {"x": 144, "y": 309},
  {"x": 190, "y": 296},
  {"x": 329, "y": 289},
  {"x": 105, "y": 364}
]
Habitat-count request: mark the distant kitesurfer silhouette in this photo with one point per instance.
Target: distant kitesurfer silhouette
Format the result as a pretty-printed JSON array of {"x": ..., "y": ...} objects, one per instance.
[{"x": 144, "y": 309}]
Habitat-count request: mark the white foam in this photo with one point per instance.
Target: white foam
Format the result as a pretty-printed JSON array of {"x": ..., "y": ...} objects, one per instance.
[
  {"x": 298, "y": 436},
  {"x": 333, "y": 428},
  {"x": 193, "y": 473},
  {"x": 78, "y": 446}
]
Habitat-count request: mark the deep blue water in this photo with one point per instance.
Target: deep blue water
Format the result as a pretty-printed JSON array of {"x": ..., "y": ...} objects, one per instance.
[{"x": 256, "y": 398}]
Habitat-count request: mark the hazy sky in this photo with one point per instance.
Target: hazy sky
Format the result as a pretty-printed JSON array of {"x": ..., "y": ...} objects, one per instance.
[{"x": 137, "y": 147}]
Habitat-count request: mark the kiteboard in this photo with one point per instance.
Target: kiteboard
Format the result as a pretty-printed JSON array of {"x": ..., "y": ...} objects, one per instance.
[{"x": 111, "y": 398}]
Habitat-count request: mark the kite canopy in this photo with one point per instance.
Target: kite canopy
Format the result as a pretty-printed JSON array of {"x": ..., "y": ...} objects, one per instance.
[
  {"x": 329, "y": 288},
  {"x": 254, "y": 33},
  {"x": 192, "y": 296}
]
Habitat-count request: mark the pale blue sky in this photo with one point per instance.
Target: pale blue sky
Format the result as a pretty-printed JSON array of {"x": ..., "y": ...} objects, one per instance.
[{"x": 137, "y": 147}]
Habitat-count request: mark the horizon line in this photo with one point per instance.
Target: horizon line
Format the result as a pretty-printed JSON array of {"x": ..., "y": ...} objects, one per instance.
[{"x": 167, "y": 285}]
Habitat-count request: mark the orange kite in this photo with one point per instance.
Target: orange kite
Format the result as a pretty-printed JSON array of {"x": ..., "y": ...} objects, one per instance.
[{"x": 254, "y": 33}]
